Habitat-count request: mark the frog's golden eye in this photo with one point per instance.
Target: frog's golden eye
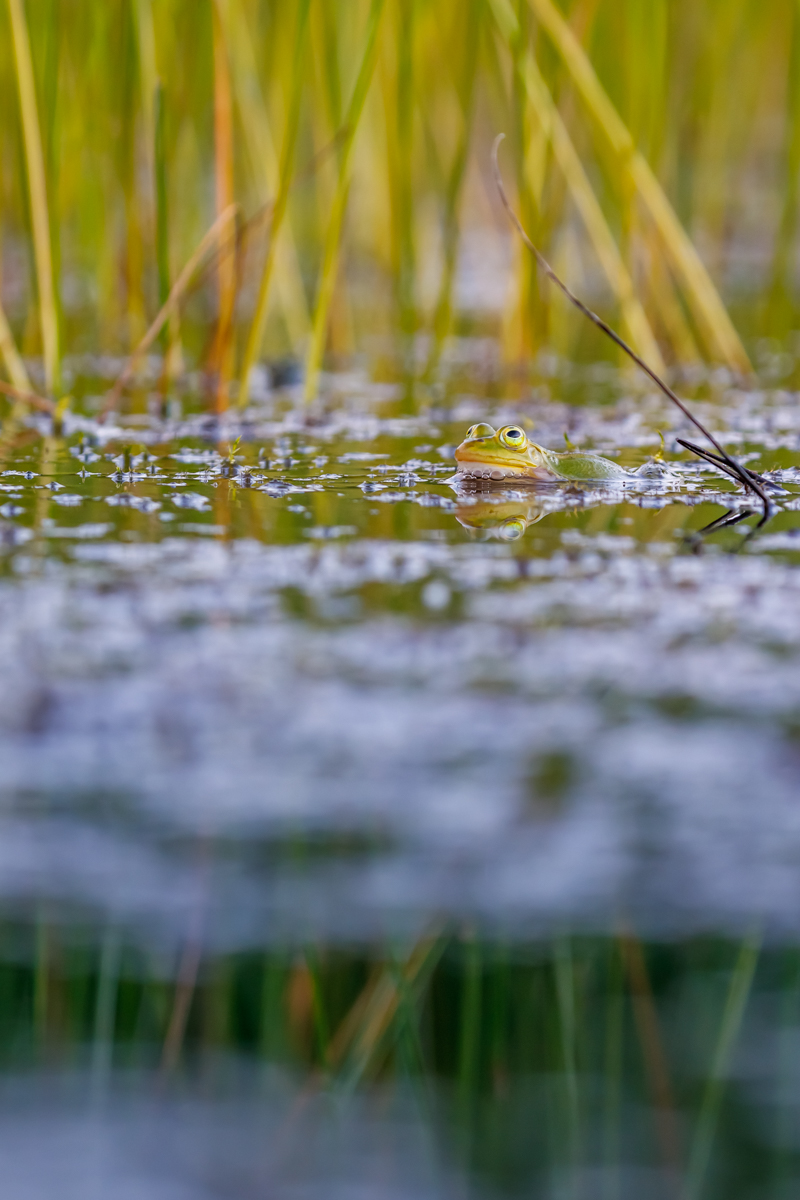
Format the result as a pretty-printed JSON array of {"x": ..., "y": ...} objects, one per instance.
[
  {"x": 481, "y": 430},
  {"x": 512, "y": 529},
  {"x": 513, "y": 437}
]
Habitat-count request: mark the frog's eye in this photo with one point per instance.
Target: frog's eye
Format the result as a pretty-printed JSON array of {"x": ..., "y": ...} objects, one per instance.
[
  {"x": 513, "y": 437},
  {"x": 481, "y": 430},
  {"x": 512, "y": 529}
]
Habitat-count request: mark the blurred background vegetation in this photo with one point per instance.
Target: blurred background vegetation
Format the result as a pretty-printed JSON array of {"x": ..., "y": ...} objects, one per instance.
[{"x": 354, "y": 138}]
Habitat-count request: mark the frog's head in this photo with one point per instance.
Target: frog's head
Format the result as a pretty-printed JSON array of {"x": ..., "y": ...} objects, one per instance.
[{"x": 497, "y": 453}]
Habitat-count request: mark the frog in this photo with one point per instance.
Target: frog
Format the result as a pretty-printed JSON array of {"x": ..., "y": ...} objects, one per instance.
[{"x": 507, "y": 453}]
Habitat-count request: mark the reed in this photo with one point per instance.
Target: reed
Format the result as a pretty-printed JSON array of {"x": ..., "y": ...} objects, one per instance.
[
  {"x": 437, "y": 1016},
  {"x": 730, "y": 1025},
  {"x": 37, "y": 194},
  {"x": 653, "y": 124},
  {"x": 333, "y": 236},
  {"x": 284, "y": 184}
]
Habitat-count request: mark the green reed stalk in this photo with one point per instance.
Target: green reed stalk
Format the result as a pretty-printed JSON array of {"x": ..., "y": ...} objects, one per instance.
[
  {"x": 565, "y": 991},
  {"x": 37, "y": 190},
  {"x": 403, "y": 189},
  {"x": 569, "y": 162},
  {"x": 105, "y": 1010},
  {"x": 221, "y": 358},
  {"x": 161, "y": 197},
  {"x": 615, "y": 1010},
  {"x": 443, "y": 312},
  {"x": 256, "y": 337},
  {"x": 787, "y": 1064},
  {"x": 469, "y": 1043},
  {"x": 321, "y": 1025},
  {"x": 406, "y": 1025},
  {"x": 11, "y": 357},
  {"x": 701, "y": 294},
  {"x": 735, "y": 1004},
  {"x": 780, "y": 303},
  {"x": 330, "y": 259},
  {"x": 170, "y": 308},
  {"x": 362, "y": 1035},
  {"x": 127, "y": 159},
  {"x": 260, "y": 149}
]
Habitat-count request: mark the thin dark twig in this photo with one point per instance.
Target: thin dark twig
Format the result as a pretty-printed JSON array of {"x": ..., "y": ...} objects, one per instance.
[
  {"x": 716, "y": 461},
  {"x": 738, "y": 471},
  {"x": 728, "y": 518}
]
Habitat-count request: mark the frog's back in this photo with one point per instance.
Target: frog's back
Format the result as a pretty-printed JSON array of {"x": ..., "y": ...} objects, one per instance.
[{"x": 574, "y": 465}]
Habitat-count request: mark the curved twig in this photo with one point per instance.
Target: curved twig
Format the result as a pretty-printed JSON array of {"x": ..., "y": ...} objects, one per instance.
[{"x": 748, "y": 481}]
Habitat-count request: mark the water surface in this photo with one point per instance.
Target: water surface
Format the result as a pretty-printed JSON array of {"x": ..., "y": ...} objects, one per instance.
[{"x": 279, "y": 682}]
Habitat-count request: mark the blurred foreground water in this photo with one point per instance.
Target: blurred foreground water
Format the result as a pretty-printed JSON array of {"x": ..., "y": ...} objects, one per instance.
[{"x": 366, "y": 835}]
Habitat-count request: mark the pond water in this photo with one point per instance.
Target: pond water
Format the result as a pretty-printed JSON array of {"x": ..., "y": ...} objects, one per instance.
[{"x": 346, "y": 805}]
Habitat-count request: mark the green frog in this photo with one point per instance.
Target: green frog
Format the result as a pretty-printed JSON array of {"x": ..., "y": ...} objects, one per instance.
[{"x": 497, "y": 454}]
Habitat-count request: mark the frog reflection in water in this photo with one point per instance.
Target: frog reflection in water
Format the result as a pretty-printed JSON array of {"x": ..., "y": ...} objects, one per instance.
[
  {"x": 505, "y": 517},
  {"x": 506, "y": 453}
]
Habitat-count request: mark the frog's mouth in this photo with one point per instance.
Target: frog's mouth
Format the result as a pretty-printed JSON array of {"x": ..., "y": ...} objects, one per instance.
[{"x": 473, "y": 460}]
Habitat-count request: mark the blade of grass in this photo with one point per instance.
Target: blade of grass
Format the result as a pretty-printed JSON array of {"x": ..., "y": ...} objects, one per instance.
[
  {"x": 256, "y": 336},
  {"x": 568, "y": 159},
  {"x": 402, "y": 193},
  {"x": 255, "y": 125},
  {"x": 222, "y": 351},
  {"x": 37, "y": 189},
  {"x": 735, "y": 1004},
  {"x": 162, "y": 209},
  {"x": 105, "y": 1011},
  {"x": 443, "y": 312},
  {"x": 170, "y": 305},
  {"x": 12, "y": 359},
  {"x": 703, "y": 297},
  {"x": 321, "y": 1027},
  {"x": 330, "y": 258},
  {"x": 614, "y": 1026},
  {"x": 361, "y": 1035},
  {"x": 565, "y": 991},
  {"x": 644, "y": 1011},
  {"x": 469, "y": 1041},
  {"x": 325, "y": 112},
  {"x": 779, "y": 302},
  {"x": 25, "y": 397}
]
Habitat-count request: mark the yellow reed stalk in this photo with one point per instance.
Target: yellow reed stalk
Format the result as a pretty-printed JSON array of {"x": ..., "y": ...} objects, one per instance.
[
  {"x": 465, "y": 91},
  {"x": 222, "y": 351},
  {"x": 362, "y": 1033},
  {"x": 256, "y": 337},
  {"x": 11, "y": 357},
  {"x": 25, "y": 397},
  {"x": 170, "y": 306},
  {"x": 702, "y": 296},
  {"x": 333, "y": 237},
  {"x": 568, "y": 159},
  {"x": 148, "y": 72},
  {"x": 37, "y": 189},
  {"x": 260, "y": 148}
]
